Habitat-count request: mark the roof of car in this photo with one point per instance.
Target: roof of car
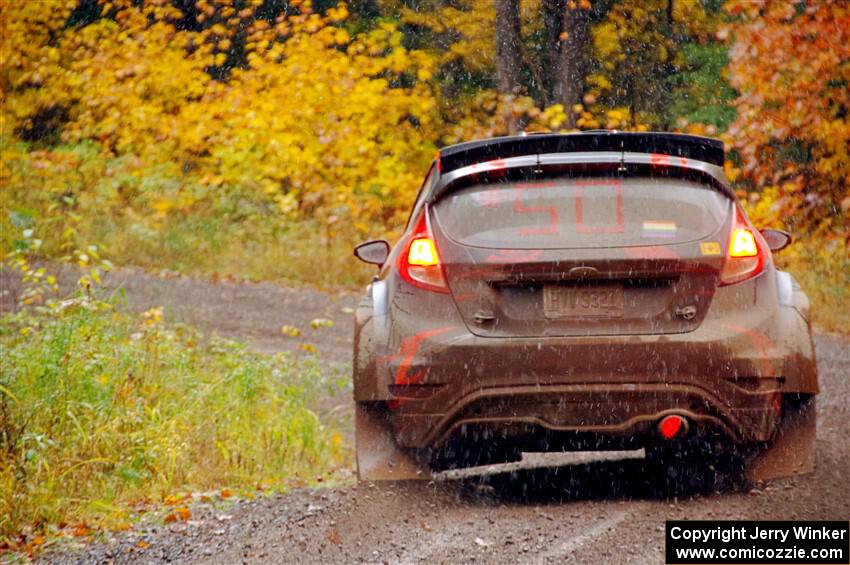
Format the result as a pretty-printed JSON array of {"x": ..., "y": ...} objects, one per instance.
[{"x": 694, "y": 147}]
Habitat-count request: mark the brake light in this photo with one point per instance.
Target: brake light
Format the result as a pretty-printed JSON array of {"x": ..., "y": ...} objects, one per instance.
[
  {"x": 747, "y": 254},
  {"x": 743, "y": 243},
  {"x": 419, "y": 264},
  {"x": 422, "y": 253}
]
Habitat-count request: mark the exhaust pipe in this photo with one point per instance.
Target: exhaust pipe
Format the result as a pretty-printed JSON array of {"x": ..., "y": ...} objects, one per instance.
[{"x": 672, "y": 427}]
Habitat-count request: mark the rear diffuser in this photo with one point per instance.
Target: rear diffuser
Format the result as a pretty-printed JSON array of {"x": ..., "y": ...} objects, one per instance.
[{"x": 379, "y": 458}]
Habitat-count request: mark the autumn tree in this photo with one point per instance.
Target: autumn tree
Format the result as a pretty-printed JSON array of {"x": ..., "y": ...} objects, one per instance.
[
  {"x": 508, "y": 38},
  {"x": 566, "y": 50},
  {"x": 560, "y": 66},
  {"x": 508, "y": 54},
  {"x": 462, "y": 38},
  {"x": 791, "y": 64},
  {"x": 655, "y": 62}
]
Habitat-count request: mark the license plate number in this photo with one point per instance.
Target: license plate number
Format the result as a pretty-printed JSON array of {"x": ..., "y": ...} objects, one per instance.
[{"x": 599, "y": 301}]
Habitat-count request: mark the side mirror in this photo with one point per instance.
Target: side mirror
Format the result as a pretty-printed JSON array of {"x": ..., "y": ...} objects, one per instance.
[
  {"x": 777, "y": 240},
  {"x": 374, "y": 252}
]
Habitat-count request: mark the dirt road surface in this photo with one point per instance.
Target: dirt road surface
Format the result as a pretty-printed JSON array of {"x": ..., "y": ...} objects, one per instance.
[{"x": 605, "y": 511}]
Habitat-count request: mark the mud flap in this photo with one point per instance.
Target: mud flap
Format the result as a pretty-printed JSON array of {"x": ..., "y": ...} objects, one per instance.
[
  {"x": 379, "y": 458},
  {"x": 793, "y": 450}
]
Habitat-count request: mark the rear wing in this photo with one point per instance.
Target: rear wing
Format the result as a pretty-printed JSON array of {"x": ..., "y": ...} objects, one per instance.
[
  {"x": 623, "y": 153},
  {"x": 694, "y": 147}
]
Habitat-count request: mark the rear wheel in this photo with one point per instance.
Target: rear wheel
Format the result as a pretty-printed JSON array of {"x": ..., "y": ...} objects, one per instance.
[{"x": 690, "y": 467}]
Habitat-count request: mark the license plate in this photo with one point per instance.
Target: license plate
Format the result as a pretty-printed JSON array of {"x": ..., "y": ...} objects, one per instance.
[{"x": 598, "y": 301}]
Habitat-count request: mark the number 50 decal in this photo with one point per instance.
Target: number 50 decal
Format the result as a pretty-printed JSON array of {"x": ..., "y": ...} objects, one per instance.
[{"x": 616, "y": 227}]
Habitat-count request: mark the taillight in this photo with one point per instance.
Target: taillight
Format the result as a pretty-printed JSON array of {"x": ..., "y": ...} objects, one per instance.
[
  {"x": 419, "y": 263},
  {"x": 747, "y": 253},
  {"x": 422, "y": 253},
  {"x": 743, "y": 243}
]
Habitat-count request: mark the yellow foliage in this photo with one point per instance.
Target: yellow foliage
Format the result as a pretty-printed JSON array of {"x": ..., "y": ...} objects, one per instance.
[
  {"x": 606, "y": 40},
  {"x": 471, "y": 23},
  {"x": 487, "y": 113},
  {"x": 638, "y": 46},
  {"x": 314, "y": 121},
  {"x": 464, "y": 31}
]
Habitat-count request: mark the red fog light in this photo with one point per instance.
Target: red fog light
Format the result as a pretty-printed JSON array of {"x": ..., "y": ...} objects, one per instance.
[{"x": 672, "y": 426}]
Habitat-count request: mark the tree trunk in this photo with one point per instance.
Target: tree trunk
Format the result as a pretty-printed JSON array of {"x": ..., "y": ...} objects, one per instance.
[
  {"x": 508, "y": 54},
  {"x": 571, "y": 62},
  {"x": 553, "y": 25}
]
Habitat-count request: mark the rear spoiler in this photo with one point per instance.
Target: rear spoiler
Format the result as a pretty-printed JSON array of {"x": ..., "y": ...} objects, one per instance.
[{"x": 693, "y": 147}]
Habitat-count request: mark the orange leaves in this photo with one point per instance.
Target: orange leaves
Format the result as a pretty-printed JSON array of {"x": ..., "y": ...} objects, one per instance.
[
  {"x": 313, "y": 130},
  {"x": 173, "y": 500},
  {"x": 485, "y": 115},
  {"x": 467, "y": 29},
  {"x": 180, "y": 514},
  {"x": 81, "y": 530},
  {"x": 793, "y": 131}
]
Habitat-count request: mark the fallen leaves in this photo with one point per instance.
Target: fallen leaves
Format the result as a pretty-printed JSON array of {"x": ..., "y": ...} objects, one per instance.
[
  {"x": 291, "y": 331},
  {"x": 317, "y": 323},
  {"x": 180, "y": 514},
  {"x": 334, "y": 537},
  {"x": 173, "y": 500},
  {"x": 81, "y": 530}
]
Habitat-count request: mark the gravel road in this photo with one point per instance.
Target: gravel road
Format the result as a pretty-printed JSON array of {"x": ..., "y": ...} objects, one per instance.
[{"x": 605, "y": 511}]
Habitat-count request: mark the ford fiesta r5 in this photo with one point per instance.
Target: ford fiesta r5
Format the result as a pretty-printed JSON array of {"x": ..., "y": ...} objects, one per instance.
[{"x": 591, "y": 291}]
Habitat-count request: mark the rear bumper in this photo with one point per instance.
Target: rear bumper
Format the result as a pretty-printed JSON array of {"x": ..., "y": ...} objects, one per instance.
[
  {"x": 724, "y": 378},
  {"x": 581, "y": 416}
]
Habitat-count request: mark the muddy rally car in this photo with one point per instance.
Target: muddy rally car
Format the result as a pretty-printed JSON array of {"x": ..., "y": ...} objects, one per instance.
[{"x": 590, "y": 291}]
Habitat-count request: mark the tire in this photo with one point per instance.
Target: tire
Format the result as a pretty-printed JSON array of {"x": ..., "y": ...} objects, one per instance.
[{"x": 690, "y": 468}]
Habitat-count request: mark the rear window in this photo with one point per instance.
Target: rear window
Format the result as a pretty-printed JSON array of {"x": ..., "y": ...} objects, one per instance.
[{"x": 582, "y": 213}]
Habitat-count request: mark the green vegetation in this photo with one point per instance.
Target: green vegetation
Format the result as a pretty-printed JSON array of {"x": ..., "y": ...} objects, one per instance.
[{"x": 101, "y": 409}]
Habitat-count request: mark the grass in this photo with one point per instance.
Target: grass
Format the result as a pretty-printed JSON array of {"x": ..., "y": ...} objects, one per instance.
[
  {"x": 305, "y": 253},
  {"x": 101, "y": 409}
]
